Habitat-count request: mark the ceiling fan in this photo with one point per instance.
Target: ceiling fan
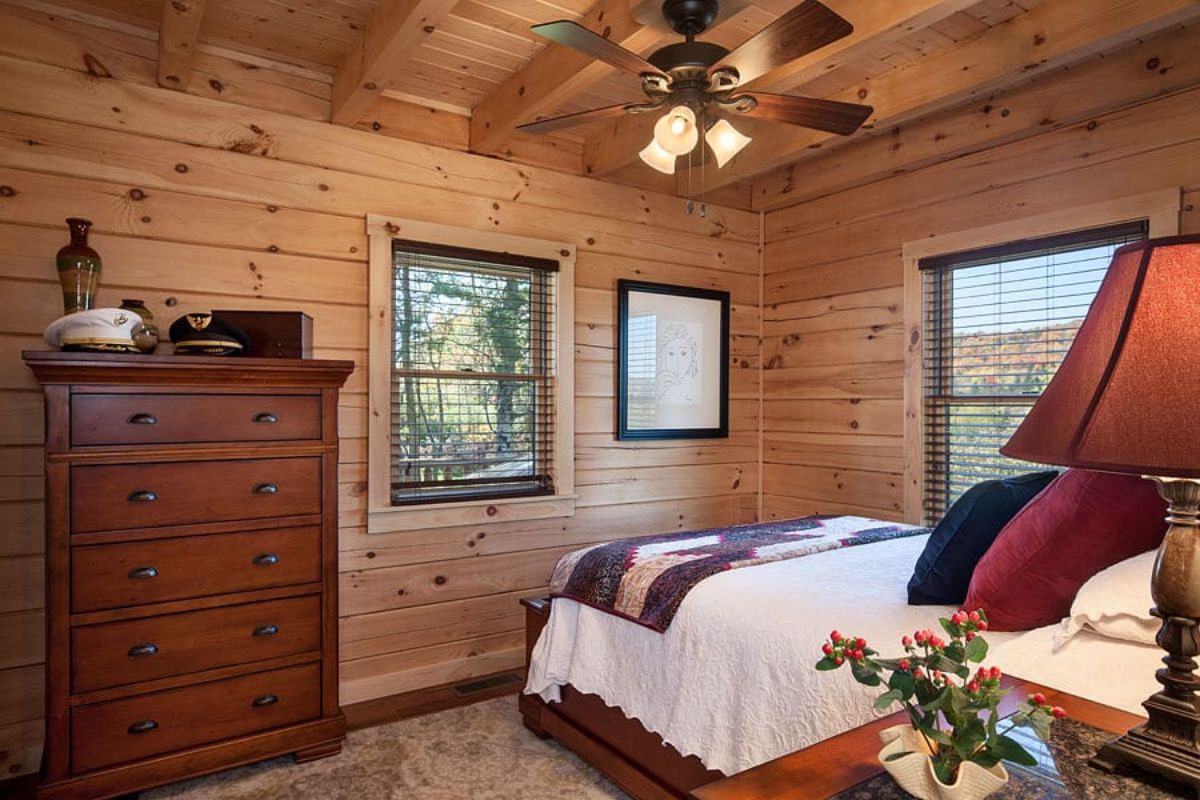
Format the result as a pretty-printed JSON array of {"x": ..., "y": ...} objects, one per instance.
[{"x": 701, "y": 83}]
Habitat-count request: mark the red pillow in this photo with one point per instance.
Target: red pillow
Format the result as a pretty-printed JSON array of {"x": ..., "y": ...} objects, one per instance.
[{"x": 1080, "y": 524}]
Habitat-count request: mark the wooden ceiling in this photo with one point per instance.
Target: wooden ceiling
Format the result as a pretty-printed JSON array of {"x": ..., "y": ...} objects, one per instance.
[{"x": 478, "y": 61}]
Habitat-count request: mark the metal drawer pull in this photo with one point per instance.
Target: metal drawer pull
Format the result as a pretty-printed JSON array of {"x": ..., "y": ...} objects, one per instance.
[
  {"x": 143, "y": 497},
  {"x": 266, "y": 630},
  {"x": 266, "y": 417},
  {"x": 144, "y": 649},
  {"x": 266, "y": 488},
  {"x": 143, "y": 419},
  {"x": 141, "y": 573},
  {"x": 143, "y": 726},
  {"x": 265, "y": 560},
  {"x": 264, "y": 700}
]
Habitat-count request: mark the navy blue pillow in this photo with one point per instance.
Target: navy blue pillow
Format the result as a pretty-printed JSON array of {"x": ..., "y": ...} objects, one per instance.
[{"x": 944, "y": 569}]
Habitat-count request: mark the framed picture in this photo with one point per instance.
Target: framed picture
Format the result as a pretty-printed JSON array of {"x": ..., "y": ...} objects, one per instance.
[{"x": 673, "y": 363}]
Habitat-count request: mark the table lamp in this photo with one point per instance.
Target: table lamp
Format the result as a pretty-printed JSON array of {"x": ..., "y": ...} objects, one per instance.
[{"x": 1127, "y": 399}]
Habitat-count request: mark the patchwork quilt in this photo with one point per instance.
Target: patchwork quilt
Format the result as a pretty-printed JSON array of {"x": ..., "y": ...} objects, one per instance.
[{"x": 646, "y": 578}]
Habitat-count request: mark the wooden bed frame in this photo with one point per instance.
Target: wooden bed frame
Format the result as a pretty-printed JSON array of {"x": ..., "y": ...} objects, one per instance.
[{"x": 634, "y": 758}]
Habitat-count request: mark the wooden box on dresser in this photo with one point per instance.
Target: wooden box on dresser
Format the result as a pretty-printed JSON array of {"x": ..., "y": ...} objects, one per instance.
[{"x": 191, "y": 566}]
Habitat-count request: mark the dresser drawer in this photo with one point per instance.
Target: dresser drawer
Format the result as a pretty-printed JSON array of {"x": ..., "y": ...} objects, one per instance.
[
  {"x": 137, "y": 727},
  {"x": 135, "y": 573},
  {"x": 120, "y": 653},
  {"x": 99, "y": 419},
  {"x": 122, "y": 496}
]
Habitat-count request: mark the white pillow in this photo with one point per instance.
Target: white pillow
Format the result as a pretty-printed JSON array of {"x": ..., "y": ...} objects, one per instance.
[{"x": 1115, "y": 603}]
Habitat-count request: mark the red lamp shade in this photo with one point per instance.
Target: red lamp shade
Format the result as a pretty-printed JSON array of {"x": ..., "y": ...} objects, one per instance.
[{"x": 1127, "y": 396}]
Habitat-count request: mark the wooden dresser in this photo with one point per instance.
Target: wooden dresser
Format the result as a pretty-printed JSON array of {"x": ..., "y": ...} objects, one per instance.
[{"x": 191, "y": 566}]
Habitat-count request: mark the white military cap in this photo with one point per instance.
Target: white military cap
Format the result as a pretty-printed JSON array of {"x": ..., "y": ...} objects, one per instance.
[{"x": 106, "y": 329}]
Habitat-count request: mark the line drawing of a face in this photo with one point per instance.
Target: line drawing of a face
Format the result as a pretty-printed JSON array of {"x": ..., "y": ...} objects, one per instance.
[{"x": 678, "y": 363}]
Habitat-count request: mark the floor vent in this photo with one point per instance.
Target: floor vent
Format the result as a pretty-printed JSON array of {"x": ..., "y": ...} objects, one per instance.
[{"x": 494, "y": 682}]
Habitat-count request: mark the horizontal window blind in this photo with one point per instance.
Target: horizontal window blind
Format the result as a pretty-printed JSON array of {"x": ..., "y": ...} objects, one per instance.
[
  {"x": 472, "y": 374},
  {"x": 998, "y": 323}
]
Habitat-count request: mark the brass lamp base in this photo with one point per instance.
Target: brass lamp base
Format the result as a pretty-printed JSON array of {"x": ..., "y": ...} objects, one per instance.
[{"x": 1169, "y": 743}]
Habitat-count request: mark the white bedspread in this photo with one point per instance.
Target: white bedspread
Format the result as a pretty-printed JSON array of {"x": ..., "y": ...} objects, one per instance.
[{"x": 732, "y": 680}]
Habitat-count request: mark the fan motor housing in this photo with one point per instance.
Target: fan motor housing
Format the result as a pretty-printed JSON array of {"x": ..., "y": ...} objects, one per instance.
[
  {"x": 693, "y": 55},
  {"x": 690, "y": 17}
]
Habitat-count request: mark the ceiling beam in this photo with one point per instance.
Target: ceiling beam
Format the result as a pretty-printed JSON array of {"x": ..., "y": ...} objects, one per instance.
[
  {"x": 178, "y": 31},
  {"x": 554, "y": 76},
  {"x": 394, "y": 31},
  {"x": 1053, "y": 35},
  {"x": 1125, "y": 79},
  {"x": 611, "y": 146}
]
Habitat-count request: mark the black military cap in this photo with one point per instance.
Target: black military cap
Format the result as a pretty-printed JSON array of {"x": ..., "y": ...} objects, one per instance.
[{"x": 202, "y": 334}]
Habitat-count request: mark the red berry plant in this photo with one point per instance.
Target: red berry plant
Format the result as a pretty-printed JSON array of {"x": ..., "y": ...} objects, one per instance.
[{"x": 953, "y": 708}]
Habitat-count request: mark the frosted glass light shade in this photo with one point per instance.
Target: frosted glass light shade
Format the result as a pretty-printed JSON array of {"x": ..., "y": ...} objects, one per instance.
[
  {"x": 726, "y": 141},
  {"x": 658, "y": 158},
  {"x": 676, "y": 131}
]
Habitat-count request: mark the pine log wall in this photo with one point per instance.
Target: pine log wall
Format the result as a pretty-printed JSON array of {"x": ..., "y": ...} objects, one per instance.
[
  {"x": 834, "y": 339},
  {"x": 201, "y": 203}
]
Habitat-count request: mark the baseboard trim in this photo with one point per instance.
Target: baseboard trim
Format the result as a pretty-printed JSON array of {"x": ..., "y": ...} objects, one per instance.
[{"x": 419, "y": 702}]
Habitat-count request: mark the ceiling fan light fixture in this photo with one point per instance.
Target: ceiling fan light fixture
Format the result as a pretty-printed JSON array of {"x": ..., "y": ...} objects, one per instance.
[
  {"x": 676, "y": 131},
  {"x": 726, "y": 141},
  {"x": 657, "y": 158}
]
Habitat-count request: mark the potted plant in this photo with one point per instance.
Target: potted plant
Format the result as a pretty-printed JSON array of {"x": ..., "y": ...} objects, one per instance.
[{"x": 956, "y": 742}]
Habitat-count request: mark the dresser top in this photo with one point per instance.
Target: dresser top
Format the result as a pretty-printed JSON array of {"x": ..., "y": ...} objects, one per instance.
[{"x": 57, "y": 367}]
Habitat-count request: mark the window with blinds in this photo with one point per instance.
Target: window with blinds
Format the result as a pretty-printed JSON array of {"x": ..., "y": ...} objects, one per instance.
[
  {"x": 472, "y": 374},
  {"x": 998, "y": 322}
]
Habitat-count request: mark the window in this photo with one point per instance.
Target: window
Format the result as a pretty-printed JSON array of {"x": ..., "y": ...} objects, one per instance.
[
  {"x": 998, "y": 322},
  {"x": 470, "y": 405},
  {"x": 472, "y": 385}
]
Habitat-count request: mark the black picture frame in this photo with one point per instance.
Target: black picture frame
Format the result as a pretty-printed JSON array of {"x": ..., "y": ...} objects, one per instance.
[{"x": 624, "y": 431}]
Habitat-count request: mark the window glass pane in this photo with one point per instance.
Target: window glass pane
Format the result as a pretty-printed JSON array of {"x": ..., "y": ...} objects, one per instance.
[
  {"x": 471, "y": 379},
  {"x": 998, "y": 323}
]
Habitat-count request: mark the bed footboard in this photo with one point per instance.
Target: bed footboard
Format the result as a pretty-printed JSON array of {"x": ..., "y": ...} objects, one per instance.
[{"x": 634, "y": 758}]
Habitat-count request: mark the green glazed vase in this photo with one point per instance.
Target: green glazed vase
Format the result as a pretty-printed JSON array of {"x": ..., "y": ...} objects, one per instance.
[
  {"x": 146, "y": 337},
  {"x": 78, "y": 268}
]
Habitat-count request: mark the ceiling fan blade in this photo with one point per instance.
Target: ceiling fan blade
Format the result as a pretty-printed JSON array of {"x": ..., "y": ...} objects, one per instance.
[
  {"x": 807, "y": 27},
  {"x": 573, "y": 35},
  {"x": 569, "y": 120},
  {"x": 809, "y": 112}
]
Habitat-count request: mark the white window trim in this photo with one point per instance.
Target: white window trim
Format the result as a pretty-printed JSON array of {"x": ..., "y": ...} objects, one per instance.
[
  {"x": 1161, "y": 208},
  {"x": 382, "y": 516}
]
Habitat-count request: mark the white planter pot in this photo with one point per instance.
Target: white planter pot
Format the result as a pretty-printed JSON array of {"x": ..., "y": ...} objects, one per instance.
[{"x": 914, "y": 772}]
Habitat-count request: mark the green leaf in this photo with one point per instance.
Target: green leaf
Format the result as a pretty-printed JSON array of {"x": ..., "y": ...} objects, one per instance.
[
  {"x": 1009, "y": 750},
  {"x": 827, "y": 663},
  {"x": 987, "y": 757},
  {"x": 887, "y": 698},
  {"x": 969, "y": 736},
  {"x": 896, "y": 756},
  {"x": 944, "y": 664},
  {"x": 864, "y": 674},
  {"x": 977, "y": 649},
  {"x": 904, "y": 683},
  {"x": 945, "y": 769},
  {"x": 947, "y": 626}
]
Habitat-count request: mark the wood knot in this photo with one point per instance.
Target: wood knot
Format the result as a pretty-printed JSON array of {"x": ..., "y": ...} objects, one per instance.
[
  {"x": 137, "y": 194},
  {"x": 440, "y": 580},
  {"x": 216, "y": 85},
  {"x": 94, "y": 67},
  {"x": 1153, "y": 63},
  {"x": 7, "y": 191},
  {"x": 375, "y": 126},
  {"x": 492, "y": 511},
  {"x": 370, "y": 86},
  {"x": 181, "y": 168},
  {"x": 171, "y": 302}
]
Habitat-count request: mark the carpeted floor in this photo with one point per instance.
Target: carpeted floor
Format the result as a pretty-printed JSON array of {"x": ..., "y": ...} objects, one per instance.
[{"x": 478, "y": 751}]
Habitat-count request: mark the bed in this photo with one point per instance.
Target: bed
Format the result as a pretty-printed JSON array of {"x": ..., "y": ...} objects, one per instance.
[{"x": 730, "y": 684}]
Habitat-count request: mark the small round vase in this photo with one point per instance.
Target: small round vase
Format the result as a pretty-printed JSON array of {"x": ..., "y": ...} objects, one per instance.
[
  {"x": 146, "y": 337},
  {"x": 78, "y": 268},
  {"x": 914, "y": 772}
]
